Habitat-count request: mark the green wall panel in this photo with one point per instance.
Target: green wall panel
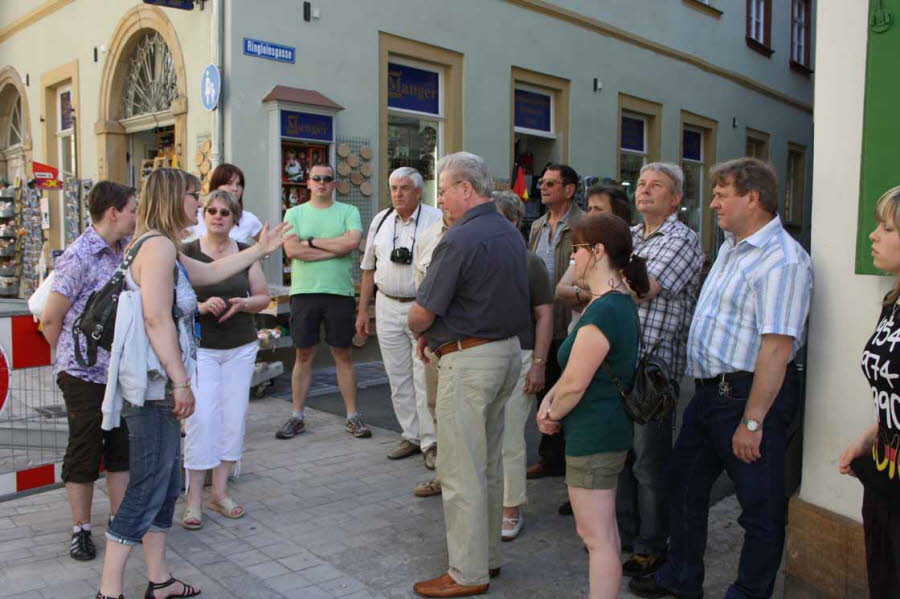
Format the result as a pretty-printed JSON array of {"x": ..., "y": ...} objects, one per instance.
[{"x": 880, "y": 167}]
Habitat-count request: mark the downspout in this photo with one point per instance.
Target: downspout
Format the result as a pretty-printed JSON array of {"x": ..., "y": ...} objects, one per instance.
[{"x": 217, "y": 51}]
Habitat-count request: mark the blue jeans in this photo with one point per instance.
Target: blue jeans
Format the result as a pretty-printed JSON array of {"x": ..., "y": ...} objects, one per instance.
[
  {"x": 702, "y": 451},
  {"x": 642, "y": 504},
  {"x": 155, "y": 475}
]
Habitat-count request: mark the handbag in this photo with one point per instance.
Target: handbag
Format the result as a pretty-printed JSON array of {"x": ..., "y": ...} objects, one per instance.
[
  {"x": 653, "y": 395},
  {"x": 97, "y": 322}
]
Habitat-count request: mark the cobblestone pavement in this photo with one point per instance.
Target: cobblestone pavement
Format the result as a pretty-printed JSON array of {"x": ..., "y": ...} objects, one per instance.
[{"x": 327, "y": 516}]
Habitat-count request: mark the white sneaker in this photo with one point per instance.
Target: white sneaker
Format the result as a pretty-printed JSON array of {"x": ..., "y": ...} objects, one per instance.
[{"x": 512, "y": 527}]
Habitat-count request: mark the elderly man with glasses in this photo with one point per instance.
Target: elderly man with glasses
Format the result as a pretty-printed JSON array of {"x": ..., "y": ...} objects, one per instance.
[{"x": 388, "y": 274}]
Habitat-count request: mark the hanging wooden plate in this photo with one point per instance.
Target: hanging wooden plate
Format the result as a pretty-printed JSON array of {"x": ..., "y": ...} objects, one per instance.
[
  {"x": 356, "y": 178},
  {"x": 343, "y": 188},
  {"x": 343, "y": 150},
  {"x": 353, "y": 160},
  {"x": 365, "y": 188},
  {"x": 205, "y": 146},
  {"x": 343, "y": 168},
  {"x": 366, "y": 153},
  {"x": 198, "y": 158},
  {"x": 366, "y": 170}
]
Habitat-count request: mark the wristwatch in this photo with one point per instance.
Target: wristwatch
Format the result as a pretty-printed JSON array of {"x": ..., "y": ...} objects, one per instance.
[
  {"x": 752, "y": 425},
  {"x": 539, "y": 361}
]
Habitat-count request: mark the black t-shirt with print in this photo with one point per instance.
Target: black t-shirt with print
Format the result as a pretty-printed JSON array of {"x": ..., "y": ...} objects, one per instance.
[{"x": 879, "y": 470}]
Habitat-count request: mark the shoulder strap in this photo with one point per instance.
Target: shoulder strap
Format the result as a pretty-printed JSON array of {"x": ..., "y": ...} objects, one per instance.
[{"x": 378, "y": 228}]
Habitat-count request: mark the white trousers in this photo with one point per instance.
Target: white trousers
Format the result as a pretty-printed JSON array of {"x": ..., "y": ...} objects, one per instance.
[
  {"x": 405, "y": 371},
  {"x": 518, "y": 412},
  {"x": 215, "y": 431}
]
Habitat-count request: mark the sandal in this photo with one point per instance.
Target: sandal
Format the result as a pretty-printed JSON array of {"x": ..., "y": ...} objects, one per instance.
[
  {"x": 226, "y": 507},
  {"x": 189, "y": 591},
  {"x": 192, "y": 518},
  {"x": 102, "y": 596}
]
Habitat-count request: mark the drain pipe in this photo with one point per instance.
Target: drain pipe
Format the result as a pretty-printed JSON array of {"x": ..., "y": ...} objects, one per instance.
[{"x": 217, "y": 47}]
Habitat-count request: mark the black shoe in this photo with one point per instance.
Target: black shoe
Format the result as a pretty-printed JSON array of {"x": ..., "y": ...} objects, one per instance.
[
  {"x": 82, "y": 547},
  {"x": 648, "y": 588},
  {"x": 642, "y": 564},
  {"x": 565, "y": 508}
]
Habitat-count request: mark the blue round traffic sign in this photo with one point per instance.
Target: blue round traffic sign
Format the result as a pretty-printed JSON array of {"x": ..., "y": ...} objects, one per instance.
[{"x": 210, "y": 87}]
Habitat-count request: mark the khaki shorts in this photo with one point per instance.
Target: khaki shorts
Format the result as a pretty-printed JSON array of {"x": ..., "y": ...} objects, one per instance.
[{"x": 595, "y": 471}]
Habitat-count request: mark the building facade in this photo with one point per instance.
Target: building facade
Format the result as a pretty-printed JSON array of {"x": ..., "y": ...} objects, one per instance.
[{"x": 115, "y": 88}]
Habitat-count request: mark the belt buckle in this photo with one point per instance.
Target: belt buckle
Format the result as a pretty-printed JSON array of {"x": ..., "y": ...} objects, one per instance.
[{"x": 724, "y": 387}]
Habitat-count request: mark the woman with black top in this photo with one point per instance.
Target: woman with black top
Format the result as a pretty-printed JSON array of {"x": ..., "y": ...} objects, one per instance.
[
  {"x": 228, "y": 344},
  {"x": 873, "y": 457}
]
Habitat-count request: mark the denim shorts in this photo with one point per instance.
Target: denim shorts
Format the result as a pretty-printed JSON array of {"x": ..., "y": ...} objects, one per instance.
[{"x": 154, "y": 434}]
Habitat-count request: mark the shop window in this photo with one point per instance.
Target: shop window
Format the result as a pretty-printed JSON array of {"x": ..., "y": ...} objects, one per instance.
[
  {"x": 759, "y": 25},
  {"x": 694, "y": 165},
  {"x": 65, "y": 133},
  {"x": 415, "y": 120},
  {"x": 801, "y": 13},
  {"x": 795, "y": 177},
  {"x": 757, "y": 144},
  {"x": 632, "y": 148}
]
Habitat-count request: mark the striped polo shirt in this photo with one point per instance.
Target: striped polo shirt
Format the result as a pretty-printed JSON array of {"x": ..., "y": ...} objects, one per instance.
[{"x": 759, "y": 286}]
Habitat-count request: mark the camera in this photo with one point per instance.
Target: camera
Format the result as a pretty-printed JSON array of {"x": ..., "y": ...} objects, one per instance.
[{"x": 401, "y": 256}]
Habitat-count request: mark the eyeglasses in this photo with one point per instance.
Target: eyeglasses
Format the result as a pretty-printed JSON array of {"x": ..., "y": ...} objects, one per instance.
[
  {"x": 196, "y": 194},
  {"x": 548, "y": 182},
  {"x": 212, "y": 211},
  {"x": 441, "y": 192},
  {"x": 325, "y": 179}
]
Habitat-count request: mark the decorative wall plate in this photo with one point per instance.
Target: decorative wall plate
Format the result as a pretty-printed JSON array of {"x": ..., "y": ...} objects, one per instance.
[{"x": 343, "y": 150}]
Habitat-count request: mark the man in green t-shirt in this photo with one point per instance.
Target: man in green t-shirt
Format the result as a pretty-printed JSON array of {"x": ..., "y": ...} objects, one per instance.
[{"x": 326, "y": 233}]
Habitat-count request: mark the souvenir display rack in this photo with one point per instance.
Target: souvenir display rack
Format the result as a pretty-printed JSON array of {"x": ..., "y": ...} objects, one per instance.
[
  {"x": 31, "y": 240},
  {"x": 10, "y": 254}
]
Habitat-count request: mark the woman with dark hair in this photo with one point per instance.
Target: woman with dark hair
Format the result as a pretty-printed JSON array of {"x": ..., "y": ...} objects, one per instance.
[
  {"x": 601, "y": 199},
  {"x": 230, "y": 178},
  {"x": 872, "y": 457},
  {"x": 599, "y": 354}
]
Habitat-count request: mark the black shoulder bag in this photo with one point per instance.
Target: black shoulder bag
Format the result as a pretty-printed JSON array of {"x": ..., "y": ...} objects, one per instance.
[
  {"x": 653, "y": 395},
  {"x": 97, "y": 322}
]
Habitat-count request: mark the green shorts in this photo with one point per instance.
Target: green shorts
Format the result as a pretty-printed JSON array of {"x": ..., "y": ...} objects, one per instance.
[{"x": 595, "y": 471}]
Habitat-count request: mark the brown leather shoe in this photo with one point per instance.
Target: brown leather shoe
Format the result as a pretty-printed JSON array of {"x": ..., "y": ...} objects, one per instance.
[
  {"x": 539, "y": 470},
  {"x": 404, "y": 449},
  {"x": 445, "y": 586}
]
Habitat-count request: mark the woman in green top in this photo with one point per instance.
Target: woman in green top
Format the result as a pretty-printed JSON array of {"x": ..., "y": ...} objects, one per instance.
[{"x": 585, "y": 402}]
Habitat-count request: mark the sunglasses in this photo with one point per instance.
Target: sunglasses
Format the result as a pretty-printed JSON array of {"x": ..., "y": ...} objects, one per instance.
[
  {"x": 212, "y": 211},
  {"x": 547, "y": 182},
  {"x": 325, "y": 179},
  {"x": 196, "y": 194}
]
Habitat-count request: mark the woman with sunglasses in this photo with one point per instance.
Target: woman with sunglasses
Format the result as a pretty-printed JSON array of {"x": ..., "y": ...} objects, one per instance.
[
  {"x": 247, "y": 226},
  {"x": 225, "y": 359},
  {"x": 160, "y": 280},
  {"x": 599, "y": 354}
]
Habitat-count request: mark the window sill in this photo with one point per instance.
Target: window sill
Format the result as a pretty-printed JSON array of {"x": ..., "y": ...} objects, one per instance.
[
  {"x": 703, "y": 7},
  {"x": 801, "y": 68},
  {"x": 758, "y": 47}
]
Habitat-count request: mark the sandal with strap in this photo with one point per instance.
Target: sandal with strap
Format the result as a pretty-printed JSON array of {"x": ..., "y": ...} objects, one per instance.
[
  {"x": 102, "y": 596},
  {"x": 188, "y": 591},
  {"x": 192, "y": 518},
  {"x": 227, "y": 507}
]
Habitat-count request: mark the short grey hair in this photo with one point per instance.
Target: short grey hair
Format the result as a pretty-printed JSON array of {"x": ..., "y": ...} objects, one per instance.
[
  {"x": 509, "y": 205},
  {"x": 229, "y": 199},
  {"x": 669, "y": 169},
  {"x": 409, "y": 173},
  {"x": 468, "y": 167}
]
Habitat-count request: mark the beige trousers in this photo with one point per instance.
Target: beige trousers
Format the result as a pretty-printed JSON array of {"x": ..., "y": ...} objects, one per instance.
[
  {"x": 518, "y": 412},
  {"x": 473, "y": 388}
]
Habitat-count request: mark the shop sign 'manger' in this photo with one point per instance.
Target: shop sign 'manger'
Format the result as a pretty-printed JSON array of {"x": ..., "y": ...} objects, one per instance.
[
  {"x": 410, "y": 88},
  {"x": 269, "y": 50},
  {"x": 307, "y": 125}
]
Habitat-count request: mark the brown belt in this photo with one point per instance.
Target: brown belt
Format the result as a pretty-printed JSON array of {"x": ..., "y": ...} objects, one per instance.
[
  {"x": 464, "y": 343},
  {"x": 403, "y": 300}
]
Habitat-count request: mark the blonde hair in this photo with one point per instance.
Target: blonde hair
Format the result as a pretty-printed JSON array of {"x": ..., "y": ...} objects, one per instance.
[
  {"x": 229, "y": 199},
  {"x": 886, "y": 211},
  {"x": 162, "y": 203}
]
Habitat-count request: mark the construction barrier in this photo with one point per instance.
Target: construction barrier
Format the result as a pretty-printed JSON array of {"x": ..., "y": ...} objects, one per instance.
[{"x": 33, "y": 425}]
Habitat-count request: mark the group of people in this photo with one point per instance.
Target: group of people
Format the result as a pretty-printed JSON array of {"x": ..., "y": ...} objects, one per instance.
[{"x": 475, "y": 328}]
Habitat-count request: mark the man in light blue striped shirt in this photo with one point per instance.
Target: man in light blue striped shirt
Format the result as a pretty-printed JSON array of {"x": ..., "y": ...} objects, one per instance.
[{"x": 749, "y": 323}]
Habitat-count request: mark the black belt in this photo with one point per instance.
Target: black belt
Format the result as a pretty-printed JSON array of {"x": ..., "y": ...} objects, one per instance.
[{"x": 728, "y": 377}]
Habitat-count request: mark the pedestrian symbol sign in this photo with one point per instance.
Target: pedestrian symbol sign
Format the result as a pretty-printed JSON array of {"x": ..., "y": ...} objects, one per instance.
[{"x": 210, "y": 86}]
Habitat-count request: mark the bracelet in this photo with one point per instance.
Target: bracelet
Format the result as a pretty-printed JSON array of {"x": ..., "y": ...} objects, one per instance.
[
  {"x": 185, "y": 385},
  {"x": 539, "y": 361}
]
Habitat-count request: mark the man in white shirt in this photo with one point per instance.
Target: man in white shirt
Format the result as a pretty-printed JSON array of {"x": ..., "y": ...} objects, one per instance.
[{"x": 387, "y": 266}]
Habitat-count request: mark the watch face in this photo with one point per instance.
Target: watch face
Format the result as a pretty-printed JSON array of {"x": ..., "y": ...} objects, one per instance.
[{"x": 752, "y": 425}]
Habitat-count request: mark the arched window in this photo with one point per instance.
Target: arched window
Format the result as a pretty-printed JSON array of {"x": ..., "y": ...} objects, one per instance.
[
  {"x": 151, "y": 83},
  {"x": 12, "y": 133}
]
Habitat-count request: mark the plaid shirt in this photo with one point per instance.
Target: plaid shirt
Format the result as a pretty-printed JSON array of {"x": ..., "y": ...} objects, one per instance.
[{"x": 674, "y": 258}]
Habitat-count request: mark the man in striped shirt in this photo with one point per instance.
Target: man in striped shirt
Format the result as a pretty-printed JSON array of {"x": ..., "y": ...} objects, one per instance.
[{"x": 749, "y": 322}]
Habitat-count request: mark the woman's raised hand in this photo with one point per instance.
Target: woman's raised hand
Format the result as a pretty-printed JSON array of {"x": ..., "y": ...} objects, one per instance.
[{"x": 271, "y": 240}]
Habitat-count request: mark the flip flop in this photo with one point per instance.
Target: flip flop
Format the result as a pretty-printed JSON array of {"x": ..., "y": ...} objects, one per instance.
[
  {"x": 226, "y": 507},
  {"x": 192, "y": 518}
]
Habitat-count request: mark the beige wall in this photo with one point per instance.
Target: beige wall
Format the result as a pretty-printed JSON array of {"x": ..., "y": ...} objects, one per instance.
[{"x": 845, "y": 305}]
